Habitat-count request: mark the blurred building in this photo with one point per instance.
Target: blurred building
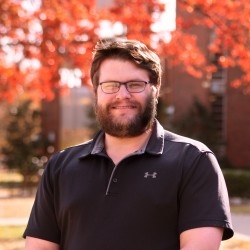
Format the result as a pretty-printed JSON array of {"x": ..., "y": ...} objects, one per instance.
[
  {"x": 230, "y": 107},
  {"x": 67, "y": 119}
]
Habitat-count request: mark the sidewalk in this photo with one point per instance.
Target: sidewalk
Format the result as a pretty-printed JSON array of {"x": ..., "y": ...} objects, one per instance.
[
  {"x": 13, "y": 221},
  {"x": 241, "y": 224}
]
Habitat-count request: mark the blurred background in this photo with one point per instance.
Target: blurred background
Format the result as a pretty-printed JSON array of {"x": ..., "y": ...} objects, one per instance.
[{"x": 46, "y": 101}]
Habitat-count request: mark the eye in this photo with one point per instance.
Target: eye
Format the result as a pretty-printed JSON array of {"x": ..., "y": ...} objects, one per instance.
[
  {"x": 136, "y": 85},
  {"x": 110, "y": 85}
]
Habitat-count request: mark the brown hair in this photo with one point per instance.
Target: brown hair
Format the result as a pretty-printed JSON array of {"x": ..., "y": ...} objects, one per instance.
[{"x": 130, "y": 50}]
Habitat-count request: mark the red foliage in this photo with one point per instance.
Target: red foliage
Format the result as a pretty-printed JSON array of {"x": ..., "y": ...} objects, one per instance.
[
  {"x": 36, "y": 44},
  {"x": 230, "y": 22}
]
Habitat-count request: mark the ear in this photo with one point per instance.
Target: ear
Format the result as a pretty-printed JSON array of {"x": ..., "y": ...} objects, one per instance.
[{"x": 156, "y": 90}]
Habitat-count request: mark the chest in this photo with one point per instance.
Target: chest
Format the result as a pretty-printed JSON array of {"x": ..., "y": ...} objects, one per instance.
[
  {"x": 141, "y": 181},
  {"x": 140, "y": 194}
]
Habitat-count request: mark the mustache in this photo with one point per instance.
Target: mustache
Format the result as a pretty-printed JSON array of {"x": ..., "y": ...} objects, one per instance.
[{"x": 123, "y": 103}]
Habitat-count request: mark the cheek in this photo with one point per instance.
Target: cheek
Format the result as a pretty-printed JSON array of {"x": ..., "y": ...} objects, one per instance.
[
  {"x": 99, "y": 95},
  {"x": 102, "y": 98},
  {"x": 98, "y": 91}
]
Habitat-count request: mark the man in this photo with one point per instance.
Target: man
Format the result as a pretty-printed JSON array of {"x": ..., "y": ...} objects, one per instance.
[{"x": 135, "y": 186}]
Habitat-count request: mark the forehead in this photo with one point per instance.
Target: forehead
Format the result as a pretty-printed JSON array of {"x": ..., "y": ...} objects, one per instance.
[{"x": 121, "y": 70}]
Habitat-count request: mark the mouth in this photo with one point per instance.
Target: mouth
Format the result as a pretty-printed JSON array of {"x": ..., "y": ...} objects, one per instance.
[{"x": 123, "y": 107}]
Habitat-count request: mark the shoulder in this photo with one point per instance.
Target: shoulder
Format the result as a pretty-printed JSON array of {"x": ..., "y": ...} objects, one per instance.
[
  {"x": 184, "y": 142},
  {"x": 168, "y": 139},
  {"x": 169, "y": 144},
  {"x": 75, "y": 151},
  {"x": 78, "y": 150},
  {"x": 189, "y": 153},
  {"x": 68, "y": 157}
]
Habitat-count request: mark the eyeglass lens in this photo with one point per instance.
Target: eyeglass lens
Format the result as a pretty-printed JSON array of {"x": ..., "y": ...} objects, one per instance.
[{"x": 132, "y": 86}]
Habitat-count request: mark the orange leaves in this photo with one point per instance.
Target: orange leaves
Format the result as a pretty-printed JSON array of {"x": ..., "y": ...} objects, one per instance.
[
  {"x": 183, "y": 50},
  {"x": 135, "y": 16},
  {"x": 226, "y": 61},
  {"x": 61, "y": 34},
  {"x": 54, "y": 35},
  {"x": 230, "y": 23},
  {"x": 10, "y": 83}
]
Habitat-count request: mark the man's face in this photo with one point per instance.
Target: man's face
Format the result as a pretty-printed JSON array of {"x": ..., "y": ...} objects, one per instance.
[{"x": 125, "y": 114}]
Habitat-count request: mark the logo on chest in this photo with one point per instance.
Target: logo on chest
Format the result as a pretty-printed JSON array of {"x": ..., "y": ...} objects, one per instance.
[{"x": 150, "y": 175}]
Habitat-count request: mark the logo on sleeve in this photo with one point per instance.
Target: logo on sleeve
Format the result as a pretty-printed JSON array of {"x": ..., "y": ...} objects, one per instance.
[{"x": 151, "y": 175}]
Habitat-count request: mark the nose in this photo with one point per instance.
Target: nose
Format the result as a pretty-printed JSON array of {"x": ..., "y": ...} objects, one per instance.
[{"x": 123, "y": 93}]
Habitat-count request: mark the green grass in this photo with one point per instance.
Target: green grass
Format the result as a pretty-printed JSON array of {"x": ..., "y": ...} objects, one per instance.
[
  {"x": 10, "y": 176},
  {"x": 10, "y": 179},
  {"x": 11, "y": 232},
  {"x": 243, "y": 209}
]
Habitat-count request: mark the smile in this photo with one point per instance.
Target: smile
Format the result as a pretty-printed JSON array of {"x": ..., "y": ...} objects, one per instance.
[{"x": 123, "y": 107}]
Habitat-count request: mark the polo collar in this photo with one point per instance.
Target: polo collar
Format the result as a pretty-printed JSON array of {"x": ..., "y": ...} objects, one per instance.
[
  {"x": 156, "y": 141},
  {"x": 154, "y": 146}
]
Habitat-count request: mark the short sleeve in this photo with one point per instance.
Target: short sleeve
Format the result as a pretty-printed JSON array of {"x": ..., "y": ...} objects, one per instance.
[
  {"x": 42, "y": 223},
  {"x": 203, "y": 195}
]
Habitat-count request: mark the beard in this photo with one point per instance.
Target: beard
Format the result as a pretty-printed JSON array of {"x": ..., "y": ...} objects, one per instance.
[{"x": 135, "y": 126}]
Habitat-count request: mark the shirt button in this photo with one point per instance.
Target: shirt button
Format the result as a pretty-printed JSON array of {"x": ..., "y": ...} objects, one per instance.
[{"x": 115, "y": 180}]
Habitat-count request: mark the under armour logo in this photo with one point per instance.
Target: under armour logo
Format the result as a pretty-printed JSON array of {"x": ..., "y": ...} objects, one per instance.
[{"x": 147, "y": 174}]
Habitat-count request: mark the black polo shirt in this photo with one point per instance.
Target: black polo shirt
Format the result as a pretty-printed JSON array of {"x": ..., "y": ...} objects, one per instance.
[{"x": 86, "y": 202}]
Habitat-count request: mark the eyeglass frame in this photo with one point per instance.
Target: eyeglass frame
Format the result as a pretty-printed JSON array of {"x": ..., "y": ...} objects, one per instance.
[{"x": 126, "y": 86}]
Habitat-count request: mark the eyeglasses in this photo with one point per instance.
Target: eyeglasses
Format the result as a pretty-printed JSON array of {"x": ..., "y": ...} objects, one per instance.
[{"x": 112, "y": 87}]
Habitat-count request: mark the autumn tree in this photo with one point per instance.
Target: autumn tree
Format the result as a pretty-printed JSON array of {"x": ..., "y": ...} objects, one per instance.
[
  {"x": 39, "y": 39},
  {"x": 230, "y": 23}
]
